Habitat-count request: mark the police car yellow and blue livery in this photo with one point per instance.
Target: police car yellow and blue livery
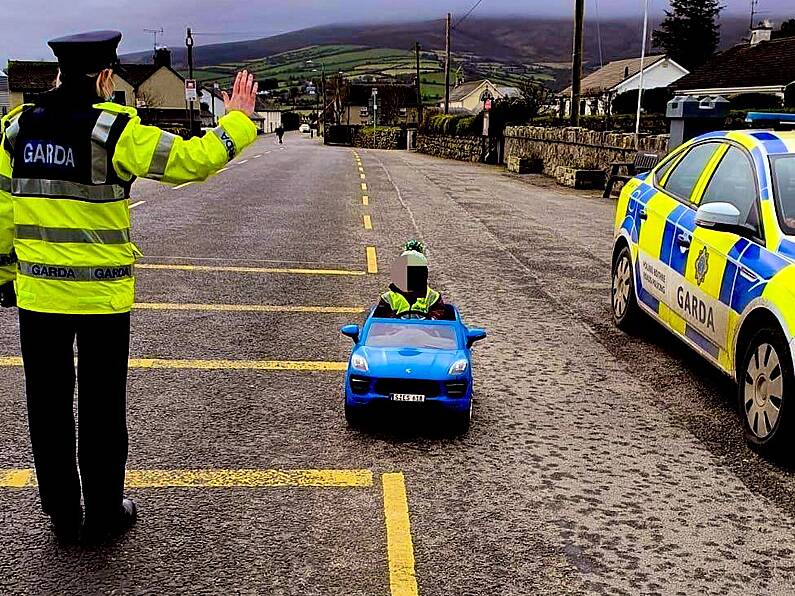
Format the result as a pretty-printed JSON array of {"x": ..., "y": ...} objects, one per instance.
[{"x": 705, "y": 244}]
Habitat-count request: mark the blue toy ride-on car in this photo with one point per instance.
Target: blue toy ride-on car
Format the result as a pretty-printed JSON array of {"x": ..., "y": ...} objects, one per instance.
[{"x": 411, "y": 360}]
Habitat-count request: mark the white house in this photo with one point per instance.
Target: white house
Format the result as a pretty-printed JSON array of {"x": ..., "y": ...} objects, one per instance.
[
  {"x": 602, "y": 86},
  {"x": 213, "y": 99},
  {"x": 466, "y": 96},
  {"x": 4, "y": 99}
]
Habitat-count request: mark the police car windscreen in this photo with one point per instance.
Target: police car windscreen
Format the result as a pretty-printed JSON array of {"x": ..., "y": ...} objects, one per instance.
[
  {"x": 416, "y": 335},
  {"x": 784, "y": 178}
]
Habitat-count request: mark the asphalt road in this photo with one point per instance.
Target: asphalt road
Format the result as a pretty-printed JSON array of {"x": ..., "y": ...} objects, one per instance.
[{"x": 596, "y": 463}]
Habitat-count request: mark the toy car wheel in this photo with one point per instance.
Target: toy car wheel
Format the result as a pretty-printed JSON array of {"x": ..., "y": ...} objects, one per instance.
[
  {"x": 353, "y": 415},
  {"x": 765, "y": 382},
  {"x": 623, "y": 299},
  {"x": 461, "y": 420}
]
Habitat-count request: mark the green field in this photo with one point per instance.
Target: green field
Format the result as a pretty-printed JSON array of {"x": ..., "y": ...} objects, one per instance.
[{"x": 362, "y": 63}]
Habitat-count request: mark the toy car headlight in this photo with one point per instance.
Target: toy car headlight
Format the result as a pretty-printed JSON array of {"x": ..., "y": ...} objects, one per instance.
[
  {"x": 458, "y": 367},
  {"x": 359, "y": 363}
]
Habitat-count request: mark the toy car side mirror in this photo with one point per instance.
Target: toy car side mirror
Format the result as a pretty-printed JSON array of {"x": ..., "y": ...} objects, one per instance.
[
  {"x": 351, "y": 331},
  {"x": 475, "y": 335}
]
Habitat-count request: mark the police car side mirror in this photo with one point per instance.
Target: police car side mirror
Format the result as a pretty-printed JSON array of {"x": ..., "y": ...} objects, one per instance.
[
  {"x": 719, "y": 216},
  {"x": 351, "y": 331}
]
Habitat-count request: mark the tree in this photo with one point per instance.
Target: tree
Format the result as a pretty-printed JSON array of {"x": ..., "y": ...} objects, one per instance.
[
  {"x": 536, "y": 96},
  {"x": 787, "y": 29},
  {"x": 690, "y": 32}
]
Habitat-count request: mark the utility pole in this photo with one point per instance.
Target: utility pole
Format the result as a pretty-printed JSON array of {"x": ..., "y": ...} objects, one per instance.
[
  {"x": 189, "y": 45},
  {"x": 325, "y": 101},
  {"x": 447, "y": 63},
  {"x": 419, "y": 84},
  {"x": 576, "y": 61}
]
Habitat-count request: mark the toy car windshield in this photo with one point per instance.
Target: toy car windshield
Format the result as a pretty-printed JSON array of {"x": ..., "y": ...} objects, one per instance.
[{"x": 414, "y": 335}]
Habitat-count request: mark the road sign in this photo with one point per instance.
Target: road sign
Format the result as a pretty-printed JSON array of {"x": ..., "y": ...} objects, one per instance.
[
  {"x": 191, "y": 92},
  {"x": 487, "y": 105}
]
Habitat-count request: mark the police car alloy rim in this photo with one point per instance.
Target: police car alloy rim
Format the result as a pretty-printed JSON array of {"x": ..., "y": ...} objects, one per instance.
[
  {"x": 622, "y": 280},
  {"x": 764, "y": 390}
]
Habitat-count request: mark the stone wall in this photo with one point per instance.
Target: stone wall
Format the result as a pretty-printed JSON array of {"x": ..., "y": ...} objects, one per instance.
[
  {"x": 560, "y": 150},
  {"x": 383, "y": 138},
  {"x": 449, "y": 147}
]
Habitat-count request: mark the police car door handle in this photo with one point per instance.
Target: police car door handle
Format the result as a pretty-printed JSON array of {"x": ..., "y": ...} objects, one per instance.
[
  {"x": 683, "y": 240},
  {"x": 643, "y": 214},
  {"x": 748, "y": 274}
]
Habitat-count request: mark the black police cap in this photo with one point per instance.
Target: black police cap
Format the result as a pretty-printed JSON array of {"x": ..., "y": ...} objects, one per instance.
[{"x": 86, "y": 53}]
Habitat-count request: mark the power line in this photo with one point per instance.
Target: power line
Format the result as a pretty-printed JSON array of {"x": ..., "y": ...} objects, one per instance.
[{"x": 466, "y": 16}]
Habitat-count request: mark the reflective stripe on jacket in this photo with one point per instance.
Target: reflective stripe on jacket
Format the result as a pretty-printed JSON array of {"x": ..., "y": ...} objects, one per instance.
[
  {"x": 400, "y": 304},
  {"x": 8, "y": 267},
  {"x": 70, "y": 189}
]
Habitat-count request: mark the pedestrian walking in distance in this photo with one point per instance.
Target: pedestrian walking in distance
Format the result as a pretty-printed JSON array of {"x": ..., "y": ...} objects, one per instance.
[
  {"x": 67, "y": 165},
  {"x": 280, "y": 134}
]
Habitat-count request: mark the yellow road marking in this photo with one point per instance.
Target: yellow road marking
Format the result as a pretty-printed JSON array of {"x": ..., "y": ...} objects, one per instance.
[
  {"x": 218, "y": 478},
  {"x": 361, "y": 169},
  {"x": 291, "y": 270},
  {"x": 364, "y": 186},
  {"x": 134, "y": 205},
  {"x": 372, "y": 260},
  {"x": 250, "y": 308},
  {"x": 162, "y": 363},
  {"x": 182, "y": 185},
  {"x": 365, "y": 200},
  {"x": 400, "y": 550},
  {"x": 368, "y": 222},
  {"x": 362, "y": 176},
  {"x": 222, "y": 170}
]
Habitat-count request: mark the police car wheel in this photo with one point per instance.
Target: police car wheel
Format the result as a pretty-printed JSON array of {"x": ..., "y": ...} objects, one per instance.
[
  {"x": 623, "y": 300},
  {"x": 765, "y": 379}
]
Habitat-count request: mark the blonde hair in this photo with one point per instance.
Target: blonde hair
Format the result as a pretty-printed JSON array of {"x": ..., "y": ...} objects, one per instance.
[{"x": 102, "y": 91}]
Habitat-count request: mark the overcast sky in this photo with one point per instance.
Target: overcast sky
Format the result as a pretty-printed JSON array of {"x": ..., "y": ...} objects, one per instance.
[{"x": 27, "y": 24}]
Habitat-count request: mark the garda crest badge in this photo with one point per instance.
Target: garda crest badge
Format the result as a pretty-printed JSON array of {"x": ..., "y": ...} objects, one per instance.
[{"x": 702, "y": 265}]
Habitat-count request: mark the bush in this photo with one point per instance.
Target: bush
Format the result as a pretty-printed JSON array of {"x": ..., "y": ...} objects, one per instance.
[
  {"x": 654, "y": 101},
  {"x": 459, "y": 125},
  {"x": 291, "y": 120},
  {"x": 649, "y": 123},
  {"x": 755, "y": 102},
  {"x": 789, "y": 96}
]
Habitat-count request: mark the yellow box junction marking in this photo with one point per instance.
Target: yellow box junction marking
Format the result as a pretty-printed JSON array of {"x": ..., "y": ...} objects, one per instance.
[
  {"x": 268, "y": 308},
  {"x": 368, "y": 222},
  {"x": 218, "y": 478},
  {"x": 289, "y": 270},
  {"x": 372, "y": 260},
  {"x": 400, "y": 550},
  {"x": 365, "y": 200},
  {"x": 270, "y": 365}
]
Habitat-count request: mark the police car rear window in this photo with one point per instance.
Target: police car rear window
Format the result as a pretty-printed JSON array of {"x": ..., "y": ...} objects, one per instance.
[{"x": 784, "y": 181}]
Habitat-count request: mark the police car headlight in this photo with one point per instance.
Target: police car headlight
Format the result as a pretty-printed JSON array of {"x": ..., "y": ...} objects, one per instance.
[
  {"x": 458, "y": 367},
  {"x": 359, "y": 363}
]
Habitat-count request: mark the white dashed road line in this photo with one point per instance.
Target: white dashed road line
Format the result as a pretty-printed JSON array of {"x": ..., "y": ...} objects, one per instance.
[
  {"x": 182, "y": 185},
  {"x": 136, "y": 204}
]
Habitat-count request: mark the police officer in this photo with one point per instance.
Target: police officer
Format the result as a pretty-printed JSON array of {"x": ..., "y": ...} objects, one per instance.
[
  {"x": 69, "y": 160},
  {"x": 409, "y": 293}
]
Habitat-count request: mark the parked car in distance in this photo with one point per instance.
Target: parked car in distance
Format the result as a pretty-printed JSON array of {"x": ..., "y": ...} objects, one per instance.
[{"x": 304, "y": 128}]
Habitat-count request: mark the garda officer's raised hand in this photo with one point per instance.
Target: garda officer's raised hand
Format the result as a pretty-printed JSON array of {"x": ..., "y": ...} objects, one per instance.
[{"x": 244, "y": 94}]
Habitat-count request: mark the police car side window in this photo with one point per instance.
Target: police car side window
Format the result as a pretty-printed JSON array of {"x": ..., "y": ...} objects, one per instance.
[
  {"x": 687, "y": 172},
  {"x": 734, "y": 182}
]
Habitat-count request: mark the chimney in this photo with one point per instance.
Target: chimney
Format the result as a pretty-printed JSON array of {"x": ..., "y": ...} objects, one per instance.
[
  {"x": 626, "y": 72},
  {"x": 162, "y": 56},
  {"x": 762, "y": 32}
]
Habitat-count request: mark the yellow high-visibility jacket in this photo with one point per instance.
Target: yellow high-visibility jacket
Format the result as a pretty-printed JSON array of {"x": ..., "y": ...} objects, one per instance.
[
  {"x": 8, "y": 266},
  {"x": 71, "y": 174}
]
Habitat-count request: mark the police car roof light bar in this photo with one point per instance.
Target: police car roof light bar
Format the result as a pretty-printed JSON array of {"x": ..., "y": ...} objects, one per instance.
[{"x": 771, "y": 119}]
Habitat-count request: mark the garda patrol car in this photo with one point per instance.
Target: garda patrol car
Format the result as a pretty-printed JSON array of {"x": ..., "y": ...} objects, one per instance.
[{"x": 705, "y": 244}]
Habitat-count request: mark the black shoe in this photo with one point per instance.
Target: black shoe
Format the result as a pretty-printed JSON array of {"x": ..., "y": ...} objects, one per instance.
[
  {"x": 66, "y": 526},
  {"x": 101, "y": 531}
]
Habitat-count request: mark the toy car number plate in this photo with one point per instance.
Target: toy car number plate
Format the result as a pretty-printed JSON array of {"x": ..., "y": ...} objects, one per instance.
[{"x": 413, "y": 397}]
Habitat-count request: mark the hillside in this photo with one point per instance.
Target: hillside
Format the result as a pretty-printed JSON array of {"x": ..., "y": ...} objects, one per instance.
[{"x": 515, "y": 40}]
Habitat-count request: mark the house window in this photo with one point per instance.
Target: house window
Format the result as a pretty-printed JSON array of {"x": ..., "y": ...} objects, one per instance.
[
  {"x": 403, "y": 112},
  {"x": 120, "y": 97}
]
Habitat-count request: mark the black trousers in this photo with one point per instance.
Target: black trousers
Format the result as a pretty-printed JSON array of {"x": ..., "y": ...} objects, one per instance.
[{"x": 103, "y": 346}]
